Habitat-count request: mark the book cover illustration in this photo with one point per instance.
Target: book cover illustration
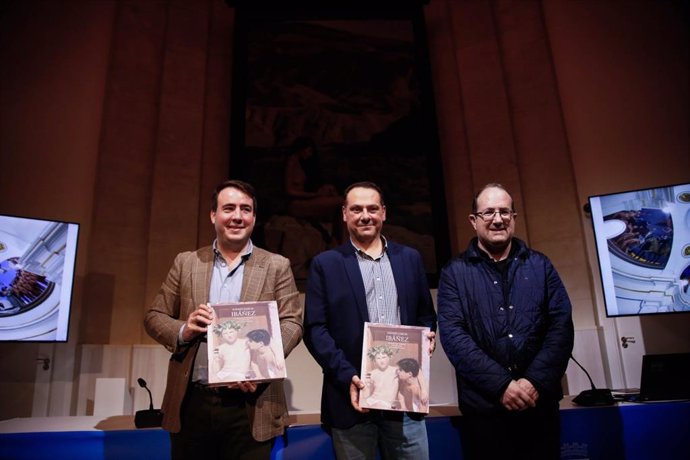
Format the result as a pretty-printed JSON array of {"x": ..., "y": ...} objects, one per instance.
[
  {"x": 244, "y": 343},
  {"x": 395, "y": 365}
]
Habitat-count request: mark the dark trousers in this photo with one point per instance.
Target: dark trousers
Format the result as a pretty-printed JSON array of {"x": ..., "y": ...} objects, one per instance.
[
  {"x": 533, "y": 434},
  {"x": 215, "y": 425}
]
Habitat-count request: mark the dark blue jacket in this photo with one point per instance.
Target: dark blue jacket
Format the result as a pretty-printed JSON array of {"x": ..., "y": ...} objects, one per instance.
[
  {"x": 334, "y": 316},
  {"x": 494, "y": 334}
]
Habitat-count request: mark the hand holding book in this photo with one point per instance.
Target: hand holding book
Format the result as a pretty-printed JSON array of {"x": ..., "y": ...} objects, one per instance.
[
  {"x": 356, "y": 387},
  {"x": 431, "y": 336},
  {"x": 197, "y": 322}
]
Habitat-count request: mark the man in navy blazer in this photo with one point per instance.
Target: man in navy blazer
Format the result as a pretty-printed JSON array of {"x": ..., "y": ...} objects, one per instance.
[{"x": 366, "y": 279}]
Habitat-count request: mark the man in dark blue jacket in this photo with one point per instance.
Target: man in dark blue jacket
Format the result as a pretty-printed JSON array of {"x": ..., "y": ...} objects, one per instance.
[
  {"x": 505, "y": 324},
  {"x": 366, "y": 279}
]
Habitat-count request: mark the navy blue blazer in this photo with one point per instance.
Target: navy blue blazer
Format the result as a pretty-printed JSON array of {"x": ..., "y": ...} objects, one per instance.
[{"x": 335, "y": 312}]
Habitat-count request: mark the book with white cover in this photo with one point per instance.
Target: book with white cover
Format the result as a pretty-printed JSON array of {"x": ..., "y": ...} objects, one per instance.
[
  {"x": 395, "y": 368},
  {"x": 244, "y": 343}
]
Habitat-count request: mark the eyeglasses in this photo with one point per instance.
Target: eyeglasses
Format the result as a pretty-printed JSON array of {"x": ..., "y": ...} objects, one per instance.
[{"x": 488, "y": 215}]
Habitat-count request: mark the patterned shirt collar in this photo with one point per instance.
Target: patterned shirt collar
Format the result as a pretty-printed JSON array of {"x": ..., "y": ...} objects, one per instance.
[
  {"x": 248, "y": 249},
  {"x": 361, "y": 252}
]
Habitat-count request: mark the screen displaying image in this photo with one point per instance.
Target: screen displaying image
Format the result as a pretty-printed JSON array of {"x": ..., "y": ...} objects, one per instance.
[
  {"x": 37, "y": 261},
  {"x": 643, "y": 246}
]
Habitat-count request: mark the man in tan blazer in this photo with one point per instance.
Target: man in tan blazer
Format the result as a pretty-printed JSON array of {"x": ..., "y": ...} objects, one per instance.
[{"x": 239, "y": 421}]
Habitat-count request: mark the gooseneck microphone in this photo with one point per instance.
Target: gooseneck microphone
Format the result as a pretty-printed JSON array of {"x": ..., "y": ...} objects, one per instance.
[
  {"x": 593, "y": 397},
  {"x": 142, "y": 383},
  {"x": 147, "y": 418}
]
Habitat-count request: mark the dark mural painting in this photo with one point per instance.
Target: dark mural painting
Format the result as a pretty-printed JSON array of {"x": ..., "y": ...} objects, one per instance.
[{"x": 327, "y": 102}]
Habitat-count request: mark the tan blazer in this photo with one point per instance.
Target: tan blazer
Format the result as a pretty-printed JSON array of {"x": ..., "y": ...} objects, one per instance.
[{"x": 267, "y": 276}]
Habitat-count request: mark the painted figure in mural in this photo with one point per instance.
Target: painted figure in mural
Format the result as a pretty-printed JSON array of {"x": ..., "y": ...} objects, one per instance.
[{"x": 309, "y": 198}]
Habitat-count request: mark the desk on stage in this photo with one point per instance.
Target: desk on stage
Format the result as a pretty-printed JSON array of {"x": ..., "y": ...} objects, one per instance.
[{"x": 625, "y": 431}]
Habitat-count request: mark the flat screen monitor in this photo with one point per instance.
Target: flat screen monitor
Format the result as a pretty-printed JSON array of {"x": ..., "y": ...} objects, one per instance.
[
  {"x": 643, "y": 248},
  {"x": 37, "y": 263}
]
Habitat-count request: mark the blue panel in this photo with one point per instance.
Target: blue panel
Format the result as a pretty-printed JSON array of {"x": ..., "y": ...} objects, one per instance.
[
  {"x": 308, "y": 441},
  {"x": 625, "y": 432},
  {"x": 444, "y": 437},
  {"x": 592, "y": 433},
  {"x": 148, "y": 444},
  {"x": 77, "y": 445},
  {"x": 657, "y": 431}
]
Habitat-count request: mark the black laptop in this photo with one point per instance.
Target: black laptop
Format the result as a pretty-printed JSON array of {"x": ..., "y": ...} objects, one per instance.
[{"x": 665, "y": 377}]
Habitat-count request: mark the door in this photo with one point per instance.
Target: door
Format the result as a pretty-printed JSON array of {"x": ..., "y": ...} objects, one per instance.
[{"x": 631, "y": 349}]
